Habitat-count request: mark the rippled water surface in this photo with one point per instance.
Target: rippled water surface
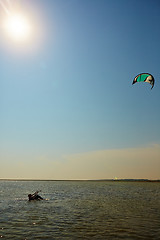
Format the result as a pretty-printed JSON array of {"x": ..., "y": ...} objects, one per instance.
[{"x": 80, "y": 210}]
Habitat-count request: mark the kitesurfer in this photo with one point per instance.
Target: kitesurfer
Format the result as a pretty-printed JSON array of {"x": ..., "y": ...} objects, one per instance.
[{"x": 34, "y": 196}]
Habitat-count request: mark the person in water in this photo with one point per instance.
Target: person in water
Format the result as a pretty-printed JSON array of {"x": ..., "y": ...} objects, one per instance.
[{"x": 34, "y": 196}]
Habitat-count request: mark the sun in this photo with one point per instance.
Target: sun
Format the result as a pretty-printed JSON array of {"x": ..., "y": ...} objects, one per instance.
[{"x": 17, "y": 27}]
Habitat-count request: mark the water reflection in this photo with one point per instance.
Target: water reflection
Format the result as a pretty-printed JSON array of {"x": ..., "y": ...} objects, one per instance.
[{"x": 83, "y": 210}]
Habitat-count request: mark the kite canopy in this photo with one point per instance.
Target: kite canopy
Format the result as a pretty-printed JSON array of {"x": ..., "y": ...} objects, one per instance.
[{"x": 144, "y": 77}]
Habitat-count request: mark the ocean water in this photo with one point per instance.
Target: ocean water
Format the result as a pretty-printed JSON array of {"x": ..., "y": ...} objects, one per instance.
[{"x": 80, "y": 210}]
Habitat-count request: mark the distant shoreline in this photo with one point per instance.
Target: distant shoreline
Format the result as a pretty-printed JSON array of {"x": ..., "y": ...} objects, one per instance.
[{"x": 82, "y": 180}]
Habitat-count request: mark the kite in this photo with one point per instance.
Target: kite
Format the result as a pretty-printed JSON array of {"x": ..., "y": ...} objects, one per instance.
[{"x": 144, "y": 77}]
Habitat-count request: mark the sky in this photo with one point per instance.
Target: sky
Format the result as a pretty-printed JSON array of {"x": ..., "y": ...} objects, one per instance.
[{"x": 68, "y": 109}]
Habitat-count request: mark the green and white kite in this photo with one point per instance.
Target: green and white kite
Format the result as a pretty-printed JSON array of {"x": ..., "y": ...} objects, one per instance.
[{"x": 144, "y": 77}]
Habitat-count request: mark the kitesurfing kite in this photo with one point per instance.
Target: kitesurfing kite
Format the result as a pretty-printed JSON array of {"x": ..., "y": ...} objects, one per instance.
[{"x": 144, "y": 77}]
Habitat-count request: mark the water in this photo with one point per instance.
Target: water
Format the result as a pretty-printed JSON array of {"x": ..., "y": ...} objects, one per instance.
[{"x": 80, "y": 210}]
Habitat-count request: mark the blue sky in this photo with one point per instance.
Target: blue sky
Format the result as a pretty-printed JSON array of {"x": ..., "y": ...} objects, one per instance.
[{"x": 68, "y": 92}]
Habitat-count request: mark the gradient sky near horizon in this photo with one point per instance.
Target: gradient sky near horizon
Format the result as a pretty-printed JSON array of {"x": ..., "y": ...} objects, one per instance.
[{"x": 68, "y": 109}]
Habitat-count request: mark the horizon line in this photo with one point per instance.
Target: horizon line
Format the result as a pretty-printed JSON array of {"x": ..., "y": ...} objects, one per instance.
[{"x": 114, "y": 180}]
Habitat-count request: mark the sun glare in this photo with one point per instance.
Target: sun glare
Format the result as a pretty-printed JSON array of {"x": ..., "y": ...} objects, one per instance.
[{"x": 17, "y": 27}]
